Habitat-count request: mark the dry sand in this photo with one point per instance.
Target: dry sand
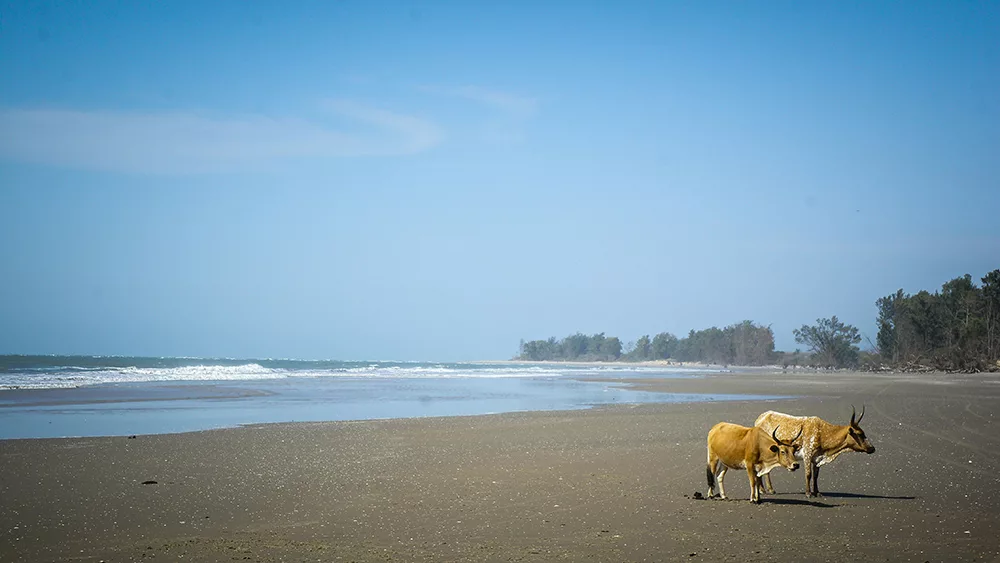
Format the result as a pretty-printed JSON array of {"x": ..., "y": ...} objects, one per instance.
[{"x": 612, "y": 484}]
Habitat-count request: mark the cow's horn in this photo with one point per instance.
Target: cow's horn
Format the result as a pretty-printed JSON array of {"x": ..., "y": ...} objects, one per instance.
[
  {"x": 862, "y": 414},
  {"x": 783, "y": 442},
  {"x": 853, "y": 412}
]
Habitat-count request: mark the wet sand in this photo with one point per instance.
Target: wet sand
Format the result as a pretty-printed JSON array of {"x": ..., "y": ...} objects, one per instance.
[{"x": 611, "y": 484}]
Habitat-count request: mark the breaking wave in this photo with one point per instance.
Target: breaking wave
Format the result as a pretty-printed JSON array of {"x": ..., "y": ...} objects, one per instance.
[{"x": 51, "y": 372}]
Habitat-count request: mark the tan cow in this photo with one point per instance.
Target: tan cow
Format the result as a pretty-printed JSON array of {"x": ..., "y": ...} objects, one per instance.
[
  {"x": 731, "y": 446},
  {"x": 819, "y": 444}
]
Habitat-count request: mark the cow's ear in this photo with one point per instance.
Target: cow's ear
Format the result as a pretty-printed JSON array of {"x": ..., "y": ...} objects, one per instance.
[{"x": 774, "y": 448}]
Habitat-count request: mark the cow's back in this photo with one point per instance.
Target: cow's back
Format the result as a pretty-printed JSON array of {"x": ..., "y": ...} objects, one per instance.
[
  {"x": 729, "y": 442},
  {"x": 789, "y": 424},
  {"x": 808, "y": 442}
]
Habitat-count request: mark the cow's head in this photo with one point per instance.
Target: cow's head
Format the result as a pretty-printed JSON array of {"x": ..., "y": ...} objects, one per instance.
[
  {"x": 785, "y": 450},
  {"x": 856, "y": 439}
]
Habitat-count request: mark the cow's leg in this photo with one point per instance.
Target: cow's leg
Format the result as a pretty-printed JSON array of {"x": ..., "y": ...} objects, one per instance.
[
  {"x": 767, "y": 482},
  {"x": 754, "y": 490},
  {"x": 809, "y": 475},
  {"x": 760, "y": 485},
  {"x": 710, "y": 473},
  {"x": 719, "y": 478},
  {"x": 816, "y": 482}
]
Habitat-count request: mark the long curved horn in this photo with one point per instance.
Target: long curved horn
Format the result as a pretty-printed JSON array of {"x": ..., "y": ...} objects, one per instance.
[
  {"x": 852, "y": 414},
  {"x": 862, "y": 414},
  {"x": 774, "y": 435}
]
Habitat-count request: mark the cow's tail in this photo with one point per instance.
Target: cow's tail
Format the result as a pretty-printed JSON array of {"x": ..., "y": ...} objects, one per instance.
[{"x": 711, "y": 478}]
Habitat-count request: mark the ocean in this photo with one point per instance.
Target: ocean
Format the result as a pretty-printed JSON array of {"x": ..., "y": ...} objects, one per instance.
[
  {"x": 64, "y": 396},
  {"x": 52, "y": 372}
]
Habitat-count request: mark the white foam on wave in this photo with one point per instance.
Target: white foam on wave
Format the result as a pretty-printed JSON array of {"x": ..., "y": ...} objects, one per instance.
[
  {"x": 78, "y": 377},
  {"x": 48, "y": 378}
]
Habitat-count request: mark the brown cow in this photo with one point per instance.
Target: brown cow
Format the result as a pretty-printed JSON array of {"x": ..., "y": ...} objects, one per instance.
[
  {"x": 819, "y": 444},
  {"x": 731, "y": 446}
]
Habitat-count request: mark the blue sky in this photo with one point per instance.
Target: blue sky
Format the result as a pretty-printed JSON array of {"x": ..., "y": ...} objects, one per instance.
[{"x": 437, "y": 180}]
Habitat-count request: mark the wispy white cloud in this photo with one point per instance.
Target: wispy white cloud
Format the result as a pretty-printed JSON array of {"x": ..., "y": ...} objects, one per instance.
[
  {"x": 183, "y": 143},
  {"x": 509, "y": 114},
  {"x": 513, "y": 105}
]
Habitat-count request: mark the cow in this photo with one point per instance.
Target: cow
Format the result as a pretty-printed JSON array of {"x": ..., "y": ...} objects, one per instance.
[
  {"x": 731, "y": 446},
  {"x": 819, "y": 444}
]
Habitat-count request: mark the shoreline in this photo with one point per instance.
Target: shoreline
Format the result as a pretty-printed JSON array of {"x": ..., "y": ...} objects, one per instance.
[
  {"x": 644, "y": 363},
  {"x": 147, "y": 408},
  {"x": 679, "y": 365}
]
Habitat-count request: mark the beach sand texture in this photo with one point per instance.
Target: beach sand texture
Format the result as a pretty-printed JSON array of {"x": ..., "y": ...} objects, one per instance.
[{"x": 611, "y": 484}]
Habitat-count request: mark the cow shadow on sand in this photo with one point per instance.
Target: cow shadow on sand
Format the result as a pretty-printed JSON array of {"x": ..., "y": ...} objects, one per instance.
[
  {"x": 859, "y": 495},
  {"x": 770, "y": 499}
]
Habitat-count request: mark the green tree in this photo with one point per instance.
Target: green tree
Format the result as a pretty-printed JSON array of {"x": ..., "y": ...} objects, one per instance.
[
  {"x": 991, "y": 313},
  {"x": 595, "y": 347},
  {"x": 833, "y": 342},
  {"x": 643, "y": 348},
  {"x": 611, "y": 348},
  {"x": 574, "y": 346},
  {"x": 962, "y": 304},
  {"x": 750, "y": 344},
  {"x": 954, "y": 328},
  {"x": 684, "y": 350},
  {"x": 887, "y": 338},
  {"x": 663, "y": 345}
]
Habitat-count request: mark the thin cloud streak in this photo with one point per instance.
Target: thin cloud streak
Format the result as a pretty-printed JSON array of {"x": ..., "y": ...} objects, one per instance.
[
  {"x": 513, "y": 105},
  {"x": 185, "y": 143}
]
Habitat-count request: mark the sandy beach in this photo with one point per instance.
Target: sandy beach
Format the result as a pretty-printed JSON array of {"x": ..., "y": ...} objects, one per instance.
[{"x": 609, "y": 484}]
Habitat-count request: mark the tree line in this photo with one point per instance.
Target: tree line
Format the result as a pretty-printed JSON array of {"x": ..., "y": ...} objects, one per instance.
[
  {"x": 745, "y": 343},
  {"x": 956, "y": 328},
  {"x": 579, "y": 347}
]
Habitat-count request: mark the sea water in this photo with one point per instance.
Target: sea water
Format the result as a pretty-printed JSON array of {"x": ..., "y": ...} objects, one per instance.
[{"x": 61, "y": 396}]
